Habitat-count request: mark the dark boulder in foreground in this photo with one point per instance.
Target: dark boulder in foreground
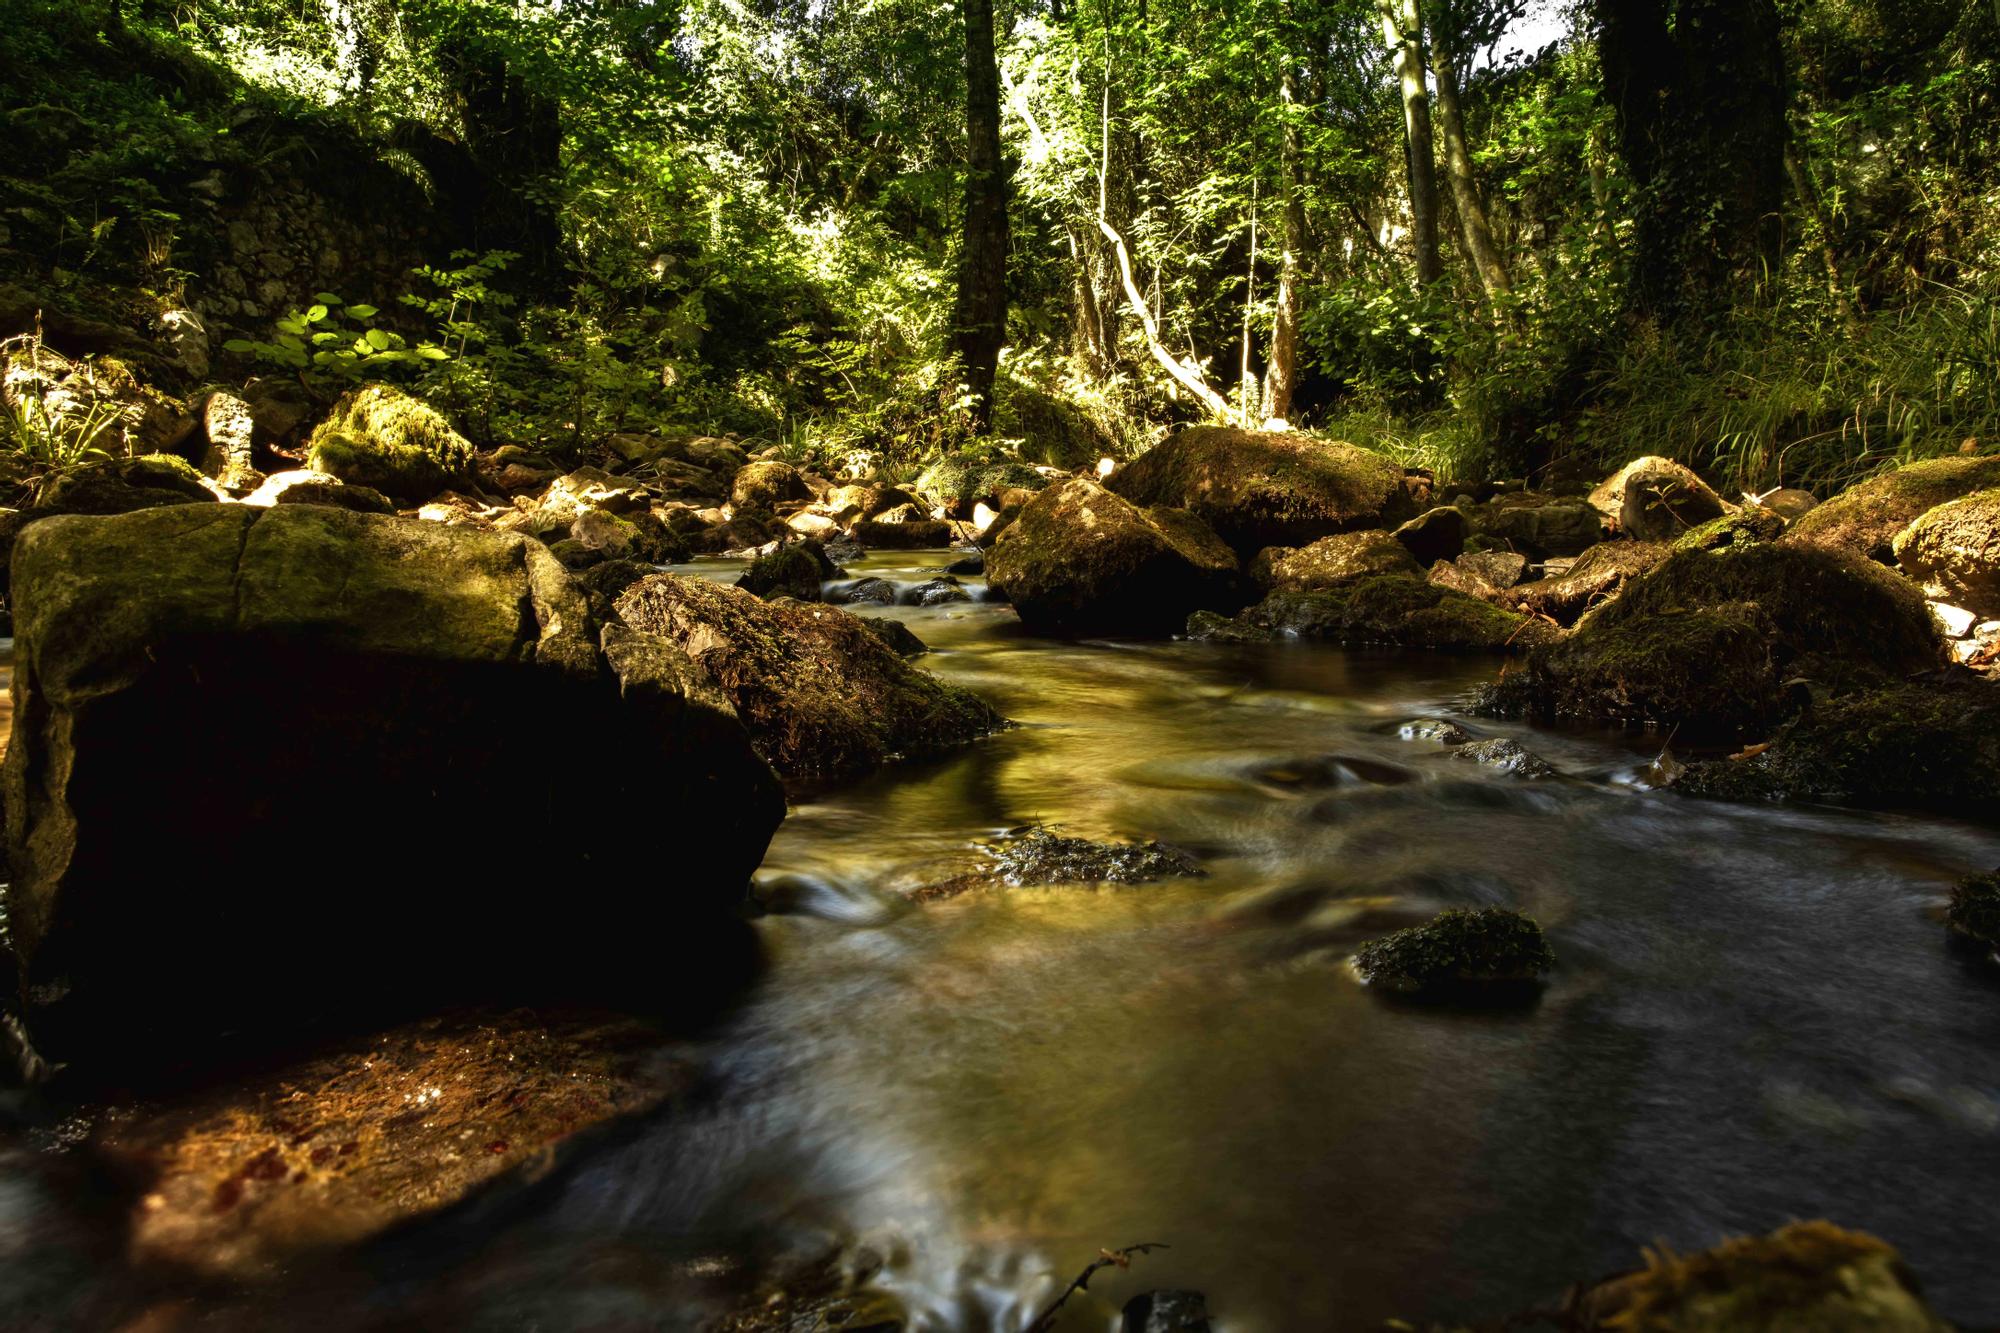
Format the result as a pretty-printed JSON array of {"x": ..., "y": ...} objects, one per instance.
[
  {"x": 823, "y": 698},
  {"x": 1865, "y": 519},
  {"x": 1081, "y": 560},
  {"x": 1930, "y": 744},
  {"x": 1273, "y": 488},
  {"x": 1722, "y": 640},
  {"x": 1458, "y": 953},
  {"x": 276, "y": 765}
]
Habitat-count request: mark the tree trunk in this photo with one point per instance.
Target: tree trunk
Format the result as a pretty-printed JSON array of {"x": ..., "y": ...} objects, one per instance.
[
  {"x": 1472, "y": 219},
  {"x": 1281, "y": 365},
  {"x": 981, "y": 316},
  {"x": 1402, "y": 27}
]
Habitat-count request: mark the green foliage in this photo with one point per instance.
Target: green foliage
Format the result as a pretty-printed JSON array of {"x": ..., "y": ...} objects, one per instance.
[
  {"x": 38, "y": 444},
  {"x": 338, "y": 341}
]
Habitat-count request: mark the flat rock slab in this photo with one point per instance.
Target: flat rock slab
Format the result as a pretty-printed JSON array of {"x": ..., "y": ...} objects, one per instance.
[{"x": 333, "y": 1150}]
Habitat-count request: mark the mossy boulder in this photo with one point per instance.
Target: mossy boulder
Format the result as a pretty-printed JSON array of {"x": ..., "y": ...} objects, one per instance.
[
  {"x": 1332, "y": 562},
  {"x": 1459, "y": 953},
  {"x": 1720, "y": 640},
  {"x": 122, "y": 485},
  {"x": 962, "y": 482},
  {"x": 765, "y": 486},
  {"x": 1037, "y": 856},
  {"x": 1398, "y": 610},
  {"x": 1272, "y": 488},
  {"x": 1865, "y": 519},
  {"x": 1052, "y": 429},
  {"x": 1974, "y": 914},
  {"x": 1931, "y": 744},
  {"x": 304, "y": 487},
  {"x": 1598, "y": 575},
  {"x": 298, "y": 711},
  {"x": 1954, "y": 551},
  {"x": 1081, "y": 560},
  {"x": 822, "y": 698},
  {"x": 1745, "y": 527},
  {"x": 1657, "y": 499},
  {"x": 380, "y": 436},
  {"x": 795, "y": 570},
  {"x": 1805, "y": 1275}
]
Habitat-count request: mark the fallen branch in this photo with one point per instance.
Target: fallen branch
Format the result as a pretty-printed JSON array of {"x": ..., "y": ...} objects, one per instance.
[{"x": 1046, "y": 1320}]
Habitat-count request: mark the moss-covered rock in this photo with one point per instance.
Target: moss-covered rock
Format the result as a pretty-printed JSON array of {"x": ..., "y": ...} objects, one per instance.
[
  {"x": 1399, "y": 610},
  {"x": 1081, "y": 560},
  {"x": 1657, "y": 499},
  {"x": 380, "y": 436},
  {"x": 1805, "y": 1275},
  {"x": 1538, "y": 525},
  {"x": 1436, "y": 534},
  {"x": 1922, "y": 745},
  {"x": 1954, "y": 551},
  {"x": 1715, "y": 639},
  {"x": 122, "y": 485},
  {"x": 1332, "y": 562},
  {"x": 1865, "y": 519},
  {"x": 962, "y": 482},
  {"x": 1745, "y": 527},
  {"x": 1598, "y": 575},
  {"x": 1974, "y": 914},
  {"x": 795, "y": 570},
  {"x": 822, "y": 698},
  {"x": 1458, "y": 953},
  {"x": 305, "y": 487},
  {"x": 1272, "y": 488},
  {"x": 1039, "y": 856},
  {"x": 765, "y": 486},
  {"x": 1052, "y": 429}
]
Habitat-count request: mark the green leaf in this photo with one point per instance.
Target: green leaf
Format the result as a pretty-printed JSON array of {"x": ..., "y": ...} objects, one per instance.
[
  {"x": 363, "y": 311},
  {"x": 430, "y": 353},
  {"x": 326, "y": 298},
  {"x": 377, "y": 339},
  {"x": 316, "y": 314},
  {"x": 322, "y": 339},
  {"x": 239, "y": 345}
]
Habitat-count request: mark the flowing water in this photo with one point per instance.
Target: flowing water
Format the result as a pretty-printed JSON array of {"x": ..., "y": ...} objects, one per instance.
[{"x": 1755, "y": 1017}]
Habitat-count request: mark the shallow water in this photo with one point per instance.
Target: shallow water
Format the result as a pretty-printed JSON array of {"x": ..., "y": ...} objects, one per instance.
[{"x": 1755, "y": 1017}]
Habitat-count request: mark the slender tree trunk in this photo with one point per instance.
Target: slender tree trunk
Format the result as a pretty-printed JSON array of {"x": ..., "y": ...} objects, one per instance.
[
  {"x": 1281, "y": 365},
  {"x": 981, "y": 315},
  {"x": 1186, "y": 373},
  {"x": 1402, "y": 27},
  {"x": 1473, "y": 223}
]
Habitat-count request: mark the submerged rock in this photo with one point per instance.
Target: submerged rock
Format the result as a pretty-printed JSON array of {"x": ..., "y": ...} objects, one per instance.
[
  {"x": 821, "y": 696},
  {"x": 1805, "y": 1275},
  {"x": 1081, "y": 560},
  {"x": 1865, "y": 519},
  {"x": 382, "y": 437},
  {"x": 1506, "y": 755},
  {"x": 1717, "y": 640},
  {"x": 1954, "y": 552},
  {"x": 299, "y": 716},
  {"x": 1272, "y": 488},
  {"x": 1165, "y": 1312},
  {"x": 1036, "y": 856},
  {"x": 1459, "y": 952}
]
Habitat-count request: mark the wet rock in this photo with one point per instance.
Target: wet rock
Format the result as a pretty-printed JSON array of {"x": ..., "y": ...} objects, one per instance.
[
  {"x": 1400, "y": 611},
  {"x": 900, "y": 638},
  {"x": 381, "y": 437},
  {"x": 1506, "y": 755},
  {"x": 1714, "y": 640},
  {"x": 822, "y": 698},
  {"x": 265, "y": 675},
  {"x": 767, "y": 485},
  {"x": 1805, "y": 1275},
  {"x": 1081, "y": 560},
  {"x": 1496, "y": 569},
  {"x": 576, "y": 556},
  {"x": 1272, "y": 488},
  {"x": 1745, "y": 527},
  {"x": 635, "y": 536},
  {"x": 1974, "y": 914},
  {"x": 1035, "y": 857},
  {"x": 1442, "y": 730},
  {"x": 317, "y": 488},
  {"x": 1865, "y": 519},
  {"x": 794, "y": 570},
  {"x": 1332, "y": 562},
  {"x": 1318, "y": 772},
  {"x": 736, "y": 533},
  {"x": 1597, "y": 576},
  {"x": 940, "y": 592},
  {"x": 1930, "y": 744},
  {"x": 870, "y": 591},
  {"x": 1656, "y": 499},
  {"x": 1788, "y": 503},
  {"x": 1459, "y": 954},
  {"x": 1214, "y": 627},
  {"x": 324, "y": 1153},
  {"x": 903, "y": 529},
  {"x": 123, "y": 485},
  {"x": 606, "y": 580},
  {"x": 1537, "y": 525},
  {"x": 972, "y": 564},
  {"x": 1954, "y": 552},
  {"x": 1165, "y": 1312},
  {"x": 1434, "y": 535}
]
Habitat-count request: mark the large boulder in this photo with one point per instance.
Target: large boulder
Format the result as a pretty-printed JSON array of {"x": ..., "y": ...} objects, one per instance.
[
  {"x": 1272, "y": 488},
  {"x": 1656, "y": 499},
  {"x": 381, "y": 437},
  {"x": 1724, "y": 641},
  {"x": 765, "y": 486},
  {"x": 1081, "y": 560},
  {"x": 822, "y": 698},
  {"x": 1954, "y": 551},
  {"x": 1387, "y": 610},
  {"x": 1333, "y": 562},
  {"x": 276, "y": 765},
  {"x": 1865, "y": 519}
]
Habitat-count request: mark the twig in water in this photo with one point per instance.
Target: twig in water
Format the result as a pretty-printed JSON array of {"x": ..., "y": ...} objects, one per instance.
[{"x": 1046, "y": 1320}]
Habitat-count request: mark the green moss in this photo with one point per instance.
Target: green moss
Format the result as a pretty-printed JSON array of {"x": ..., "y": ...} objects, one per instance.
[
  {"x": 1332, "y": 562},
  {"x": 1598, "y": 575},
  {"x": 1051, "y": 429},
  {"x": 1865, "y": 519},
  {"x": 795, "y": 570},
  {"x": 1743, "y": 528},
  {"x": 1458, "y": 949},
  {"x": 1975, "y": 909},
  {"x": 1400, "y": 610},
  {"x": 382, "y": 437}
]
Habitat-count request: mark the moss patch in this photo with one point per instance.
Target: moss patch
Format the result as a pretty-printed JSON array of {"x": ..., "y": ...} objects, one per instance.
[
  {"x": 382, "y": 437},
  {"x": 1397, "y": 609},
  {"x": 1598, "y": 575},
  {"x": 1954, "y": 551},
  {"x": 1332, "y": 562},
  {"x": 1865, "y": 519},
  {"x": 1746, "y": 527}
]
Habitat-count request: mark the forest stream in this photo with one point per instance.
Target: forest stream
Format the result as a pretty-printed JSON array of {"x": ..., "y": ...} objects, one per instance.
[{"x": 1752, "y": 1019}]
